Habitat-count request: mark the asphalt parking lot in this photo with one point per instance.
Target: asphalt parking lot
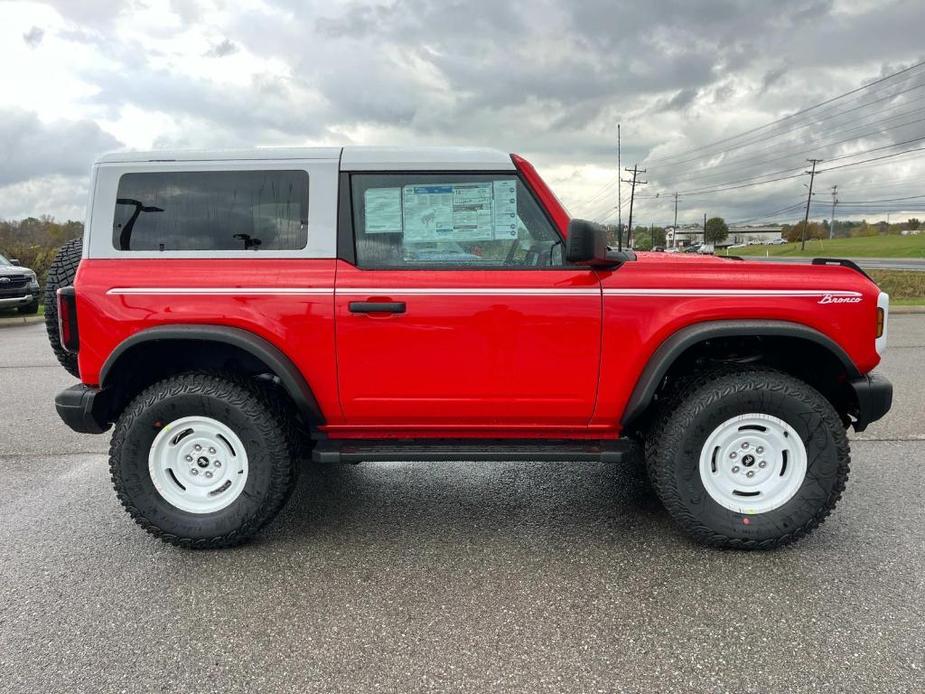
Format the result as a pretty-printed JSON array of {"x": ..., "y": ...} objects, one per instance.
[{"x": 460, "y": 577}]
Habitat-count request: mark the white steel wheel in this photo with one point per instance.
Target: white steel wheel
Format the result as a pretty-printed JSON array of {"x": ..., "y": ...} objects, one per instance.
[
  {"x": 753, "y": 463},
  {"x": 198, "y": 464}
]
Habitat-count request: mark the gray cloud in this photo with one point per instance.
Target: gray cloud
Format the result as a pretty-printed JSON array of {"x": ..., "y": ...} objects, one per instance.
[
  {"x": 220, "y": 50},
  {"x": 30, "y": 148},
  {"x": 34, "y": 36},
  {"x": 549, "y": 79}
]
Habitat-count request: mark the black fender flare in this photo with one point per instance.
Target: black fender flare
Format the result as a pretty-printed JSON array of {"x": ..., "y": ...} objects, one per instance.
[
  {"x": 677, "y": 343},
  {"x": 275, "y": 360}
]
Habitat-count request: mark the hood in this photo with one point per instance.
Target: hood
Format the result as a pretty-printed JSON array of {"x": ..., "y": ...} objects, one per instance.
[{"x": 6, "y": 270}]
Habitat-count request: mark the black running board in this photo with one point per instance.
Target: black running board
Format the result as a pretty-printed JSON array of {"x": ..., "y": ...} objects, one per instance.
[{"x": 418, "y": 450}]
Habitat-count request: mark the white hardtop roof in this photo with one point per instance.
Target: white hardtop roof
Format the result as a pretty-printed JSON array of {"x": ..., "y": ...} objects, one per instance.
[{"x": 352, "y": 158}]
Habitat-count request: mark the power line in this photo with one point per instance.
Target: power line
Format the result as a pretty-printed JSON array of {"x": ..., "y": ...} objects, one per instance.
[
  {"x": 792, "y": 115},
  {"x": 870, "y": 86},
  {"x": 745, "y": 184},
  {"x": 719, "y": 169}
]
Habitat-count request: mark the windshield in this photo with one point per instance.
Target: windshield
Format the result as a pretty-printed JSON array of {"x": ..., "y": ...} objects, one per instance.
[{"x": 3, "y": 260}]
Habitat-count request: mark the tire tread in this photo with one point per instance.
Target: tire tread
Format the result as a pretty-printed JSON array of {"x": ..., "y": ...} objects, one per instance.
[
  {"x": 687, "y": 400},
  {"x": 239, "y": 393}
]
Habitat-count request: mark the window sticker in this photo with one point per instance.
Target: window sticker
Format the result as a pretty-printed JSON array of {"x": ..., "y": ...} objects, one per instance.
[
  {"x": 383, "y": 210},
  {"x": 505, "y": 217},
  {"x": 460, "y": 212}
]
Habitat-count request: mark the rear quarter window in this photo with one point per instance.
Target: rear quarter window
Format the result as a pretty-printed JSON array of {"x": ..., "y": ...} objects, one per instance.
[{"x": 211, "y": 211}]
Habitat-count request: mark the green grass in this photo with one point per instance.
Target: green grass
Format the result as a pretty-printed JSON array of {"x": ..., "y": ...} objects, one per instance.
[
  {"x": 905, "y": 288},
  {"x": 862, "y": 247}
]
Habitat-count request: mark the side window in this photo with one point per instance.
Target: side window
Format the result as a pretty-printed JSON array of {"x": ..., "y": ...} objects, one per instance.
[
  {"x": 450, "y": 220},
  {"x": 211, "y": 211}
]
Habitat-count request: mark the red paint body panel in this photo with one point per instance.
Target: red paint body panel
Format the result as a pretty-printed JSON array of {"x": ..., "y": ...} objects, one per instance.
[
  {"x": 635, "y": 326},
  {"x": 301, "y": 326},
  {"x": 491, "y": 356},
  {"x": 544, "y": 193},
  {"x": 481, "y": 360}
]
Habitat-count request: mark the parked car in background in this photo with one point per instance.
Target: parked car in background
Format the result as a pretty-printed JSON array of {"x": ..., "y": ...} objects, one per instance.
[
  {"x": 775, "y": 242},
  {"x": 19, "y": 287}
]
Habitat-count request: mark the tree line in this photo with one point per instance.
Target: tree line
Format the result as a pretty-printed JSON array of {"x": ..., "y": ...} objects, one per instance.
[{"x": 34, "y": 241}]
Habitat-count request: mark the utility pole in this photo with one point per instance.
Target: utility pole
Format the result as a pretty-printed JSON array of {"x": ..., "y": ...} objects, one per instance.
[
  {"x": 832, "y": 218},
  {"x": 704, "y": 227},
  {"x": 619, "y": 191},
  {"x": 634, "y": 181},
  {"x": 674, "y": 239},
  {"x": 812, "y": 175}
]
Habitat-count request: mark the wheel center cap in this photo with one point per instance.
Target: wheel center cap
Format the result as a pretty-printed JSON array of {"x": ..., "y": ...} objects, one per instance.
[
  {"x": 748, "y": 460},
  {"x": 202, "y": 461}
]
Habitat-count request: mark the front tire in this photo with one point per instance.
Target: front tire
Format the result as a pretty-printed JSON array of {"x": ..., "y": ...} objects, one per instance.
[
  {"x": 200, "y": 460},
  {"x": 749, "y": 460}
]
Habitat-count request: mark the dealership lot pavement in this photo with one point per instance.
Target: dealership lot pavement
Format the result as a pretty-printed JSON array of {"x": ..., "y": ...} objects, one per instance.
[{"x": 395, "y": 577}]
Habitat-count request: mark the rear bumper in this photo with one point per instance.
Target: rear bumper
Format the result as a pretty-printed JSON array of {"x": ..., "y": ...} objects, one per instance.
[
  {"x": 82, "y": 408},
  {"x": 874, "y": 395}
]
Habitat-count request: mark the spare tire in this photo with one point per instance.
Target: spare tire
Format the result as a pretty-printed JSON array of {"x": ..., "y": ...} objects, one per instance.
[{"x": 61, "y": 274}]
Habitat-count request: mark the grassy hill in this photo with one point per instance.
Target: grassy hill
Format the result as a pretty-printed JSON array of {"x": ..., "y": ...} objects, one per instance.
[{"x": 861, "y": 247}]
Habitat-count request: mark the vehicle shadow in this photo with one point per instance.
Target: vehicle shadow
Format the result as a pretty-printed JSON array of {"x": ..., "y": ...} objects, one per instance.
[{"x": 424, "y": 502}]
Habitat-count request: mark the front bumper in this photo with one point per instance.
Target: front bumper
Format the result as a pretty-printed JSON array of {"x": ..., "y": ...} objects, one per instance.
[
  {"x": 874, "y": 395},
  {"x": 14, "y": 301},
  {"x": 83, "y": 409}
]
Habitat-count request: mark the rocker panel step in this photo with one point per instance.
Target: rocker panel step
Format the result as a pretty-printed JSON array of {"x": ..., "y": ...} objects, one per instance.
[{"x": 443, "y": 450}]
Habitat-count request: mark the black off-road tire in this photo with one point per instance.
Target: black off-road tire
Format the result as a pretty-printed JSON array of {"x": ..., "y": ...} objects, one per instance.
[
  {"x": 697, "y": 407},
  {"x": 237, "y": 403},
  {"x": 29, "y": 309},
  {"x": 61, "y": 274}
]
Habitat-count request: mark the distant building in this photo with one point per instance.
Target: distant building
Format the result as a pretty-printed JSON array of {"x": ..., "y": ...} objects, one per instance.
[
  {"x": 683, "y": 235},
  {"x": 686, "y": 235}
]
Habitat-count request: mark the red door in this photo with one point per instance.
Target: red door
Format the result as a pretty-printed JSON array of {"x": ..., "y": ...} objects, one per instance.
[
  {"x": 465, "y": 328},
  {"x": 469, "y": 347}
]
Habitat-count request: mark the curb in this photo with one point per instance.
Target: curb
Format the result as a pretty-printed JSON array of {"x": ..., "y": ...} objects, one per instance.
[{"x": 20, "y": 320}]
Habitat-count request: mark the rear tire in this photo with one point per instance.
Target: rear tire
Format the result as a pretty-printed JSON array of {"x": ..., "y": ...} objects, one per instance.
[
  {"x": 61, "y": 274},
  {"x": 749, "y": 460},
  {"x": 201, "y": 461}
]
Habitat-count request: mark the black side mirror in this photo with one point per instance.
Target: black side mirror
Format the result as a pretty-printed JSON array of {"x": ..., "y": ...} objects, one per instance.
[
  {"x": 587, "y": 245},
  {"x": 14, "y": 261}
]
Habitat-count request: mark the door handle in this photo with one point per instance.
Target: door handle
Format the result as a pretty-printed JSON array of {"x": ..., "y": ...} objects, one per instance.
[{"x": 377, "y": 307}]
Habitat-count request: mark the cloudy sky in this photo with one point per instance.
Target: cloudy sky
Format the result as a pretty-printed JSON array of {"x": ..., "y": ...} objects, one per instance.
[{"x": 549, "y": 79}]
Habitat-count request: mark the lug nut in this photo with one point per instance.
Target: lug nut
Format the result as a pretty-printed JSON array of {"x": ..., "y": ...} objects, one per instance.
[
  {"x": 211, "y": 450},
  {"x": 193, "y": 471},
  {"x": 733, "y": 455},
  {"x": 745, "y": 445},
  {"x": 759, "y": 450},
  {"x": 208, "y": 473},
  {"x": 735, "y": 468},
  {"x": 189, "y": 458},
  {"x": 197, "y": 447},
  {"x": 750, "y": 473},
  {"x": 218, "y": 463},
  {"x": 762, "y": 463}
]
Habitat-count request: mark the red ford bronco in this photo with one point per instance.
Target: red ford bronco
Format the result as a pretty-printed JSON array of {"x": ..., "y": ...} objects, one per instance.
[{"x": 235, "y": 312}]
